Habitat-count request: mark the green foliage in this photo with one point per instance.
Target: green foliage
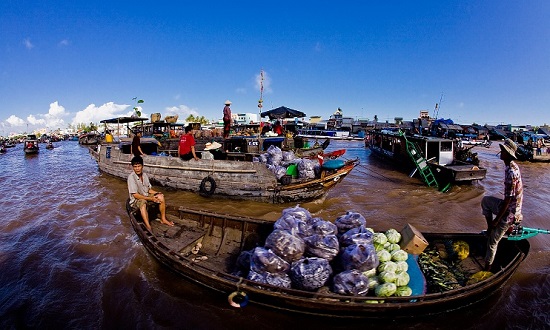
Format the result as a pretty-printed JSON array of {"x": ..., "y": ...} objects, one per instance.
[
  {"x": 136, "y": 109},
  {"x": 197, "y": 119}
]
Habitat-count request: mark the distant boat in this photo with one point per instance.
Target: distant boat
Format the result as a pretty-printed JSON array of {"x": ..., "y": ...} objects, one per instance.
[
  {"x": 88, "y": 138},
  {"x": 31, "y": 144},
  {"x": 438, "y": 153}
]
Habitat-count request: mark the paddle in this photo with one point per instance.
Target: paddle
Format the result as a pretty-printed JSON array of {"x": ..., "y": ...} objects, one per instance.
[{"x": 525, "y": 232}]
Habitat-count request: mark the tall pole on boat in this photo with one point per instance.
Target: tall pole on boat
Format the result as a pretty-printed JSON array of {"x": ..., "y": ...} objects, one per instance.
[
  {"x": 437, "y": 106},
  {"x": 261, "y": 101}
]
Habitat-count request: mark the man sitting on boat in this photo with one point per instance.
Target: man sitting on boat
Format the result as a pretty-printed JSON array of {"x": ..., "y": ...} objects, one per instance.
[
  {"x": 186, "y": 148},
  {"x": 142, "y": 195},
  {"x": 507, "y": 210}
]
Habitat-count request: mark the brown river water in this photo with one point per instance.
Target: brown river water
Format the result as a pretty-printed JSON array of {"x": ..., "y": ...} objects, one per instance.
[{"x": 70, "y": 259}]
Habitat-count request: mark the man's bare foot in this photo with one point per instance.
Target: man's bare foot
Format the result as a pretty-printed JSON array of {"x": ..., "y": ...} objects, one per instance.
[{"x": 166, "y": 222}]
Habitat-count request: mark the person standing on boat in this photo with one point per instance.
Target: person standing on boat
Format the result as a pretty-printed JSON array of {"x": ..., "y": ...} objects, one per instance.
[
  {"x": 142, "y": 194},
  {"x": 186, "y": 147},
  {"x": 507, "y": 210},
  {"x": 135, "y": 148},
  {"x": 226, "y": 119}
]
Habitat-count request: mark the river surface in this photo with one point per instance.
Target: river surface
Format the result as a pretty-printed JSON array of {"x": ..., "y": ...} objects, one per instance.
[{"x": 70, "y": 259}]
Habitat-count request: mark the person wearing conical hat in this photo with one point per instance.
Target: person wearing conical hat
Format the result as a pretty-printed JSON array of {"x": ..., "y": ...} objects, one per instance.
[
  {"x": 507, "y": 210},
  {"x": 226, "y": 119}
]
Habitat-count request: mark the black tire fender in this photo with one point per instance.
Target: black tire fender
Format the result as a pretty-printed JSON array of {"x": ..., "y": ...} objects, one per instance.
[{"x": 207, "y": 187}]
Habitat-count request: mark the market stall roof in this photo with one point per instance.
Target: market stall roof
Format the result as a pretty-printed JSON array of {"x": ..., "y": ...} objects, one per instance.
[
  {"x": 123, "y": 120},
  {"x": 282, "y": 112}
]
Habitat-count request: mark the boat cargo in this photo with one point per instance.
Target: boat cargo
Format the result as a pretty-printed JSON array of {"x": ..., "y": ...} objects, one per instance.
[{"x": 224, "y": 252}]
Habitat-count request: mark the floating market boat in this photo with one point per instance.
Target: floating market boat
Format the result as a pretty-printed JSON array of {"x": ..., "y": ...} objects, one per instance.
[
  {"x": 206, "y": 248},
  {"x": 235, "y": 172},
  {"x": 531, "y": 154},
  {"x": 91, "y": 138},
  {"x": 30, "y": 145},
  {"x": 438, "y": 153},
  {"x": 233, "y": 177}
]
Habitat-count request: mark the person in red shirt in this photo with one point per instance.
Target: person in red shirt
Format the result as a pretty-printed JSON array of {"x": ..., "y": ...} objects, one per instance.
[
  {"x": 186, "y": 148},
  {"x": 226, "y": 119},
  {"x": 277, "y": 128}
]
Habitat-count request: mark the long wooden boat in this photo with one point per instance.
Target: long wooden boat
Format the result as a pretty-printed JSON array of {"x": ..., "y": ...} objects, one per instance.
[
  {"x": 439, "y": 153},
  {"x": 526, "y": 153},
  {"x": 235, "y": 179},
  {"x": 88, "y": 138},
  {"x": 203, "y": 248},
  {"x": 30, "y": 145}
]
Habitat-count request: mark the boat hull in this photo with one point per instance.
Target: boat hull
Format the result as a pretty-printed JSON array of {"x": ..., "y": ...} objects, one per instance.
[
  {"x": 233, "y": 179},
  {"x": 223, "y": 237}
]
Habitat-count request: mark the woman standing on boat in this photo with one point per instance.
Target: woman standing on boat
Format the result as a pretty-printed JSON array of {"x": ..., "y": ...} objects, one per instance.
[
  {"x": 507, "y": 210},
  {"x": 226, "y": 119}
]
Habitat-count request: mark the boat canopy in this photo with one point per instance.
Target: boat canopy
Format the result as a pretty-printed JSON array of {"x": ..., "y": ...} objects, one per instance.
[{"x": 123, "y": 120}]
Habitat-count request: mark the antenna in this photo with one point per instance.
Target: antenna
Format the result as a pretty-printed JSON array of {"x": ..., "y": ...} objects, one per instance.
[
  {"x": 438, "y": 106},
  {"x": 261, "y": 101}
]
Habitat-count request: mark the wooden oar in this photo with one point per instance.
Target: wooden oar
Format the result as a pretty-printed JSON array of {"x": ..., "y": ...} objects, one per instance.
[{"x": 526, "y": 232}]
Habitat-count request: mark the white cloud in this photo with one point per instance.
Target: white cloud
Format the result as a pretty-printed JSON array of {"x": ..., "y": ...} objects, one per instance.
[
  {"x": 94, "y": 114},
  {"x": 15, "y": 121},
  {"x": 56, "y": 110},
  {"x": 182, "y": 111},
  {"x": 28, "y": 44},
  {"x": 63, "y": 43},
  {"x": 31, "y": 119}
]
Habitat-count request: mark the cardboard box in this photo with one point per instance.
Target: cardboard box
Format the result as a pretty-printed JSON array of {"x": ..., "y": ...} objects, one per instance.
[{"x": 412, "y": 240}]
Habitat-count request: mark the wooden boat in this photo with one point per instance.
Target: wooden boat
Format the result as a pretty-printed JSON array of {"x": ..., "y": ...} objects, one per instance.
[
  {"x": 439, "y": 153},
  {"x": 526, "y": 153},
  {"x": 233, "y": 177},
  {"x": 30, "y": 145},
  {"x": 88, "y": 138},
  {"x": 224, "y": 237}
]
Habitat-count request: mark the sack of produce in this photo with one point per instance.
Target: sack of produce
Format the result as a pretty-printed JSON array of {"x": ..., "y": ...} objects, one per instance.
[
  {"x": 295, "y": 221},
  {"x": 351, "y": 283},
  {"x": 322, "y": 246},
  {"x": 264, "y": 260},
  {"x": 288, "y": 156},
  {"x": 310, "y": 273},
  {"x": 322, "y": 227},
  {"x": 279, "y": 171},
  {"x": 279, "y": 279},
  {"x": 357, "y": 235},
  {"x": 297, "y": 212},
  {"x": 348, "y": 221},
  {"x": 360, "y": 257},
  {"x": 285, "y": 245},
  {"x": 306, "y": 169}
]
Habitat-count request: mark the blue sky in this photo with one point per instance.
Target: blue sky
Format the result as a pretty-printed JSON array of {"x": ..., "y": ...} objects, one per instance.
[{"x": 68, "y": 62}]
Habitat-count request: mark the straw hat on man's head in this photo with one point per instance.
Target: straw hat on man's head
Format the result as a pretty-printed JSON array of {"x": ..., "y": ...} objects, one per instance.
[
  {"x": 227, "y": 102},
  {"x": 509, "y": 147}
]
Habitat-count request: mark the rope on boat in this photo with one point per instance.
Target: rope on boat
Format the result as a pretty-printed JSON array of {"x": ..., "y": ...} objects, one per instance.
[{"x": 380, "y": 176}]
